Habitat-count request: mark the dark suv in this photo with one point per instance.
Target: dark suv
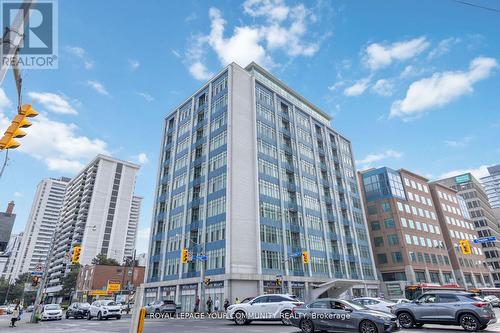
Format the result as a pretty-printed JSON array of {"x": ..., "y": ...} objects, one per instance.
[{"x": 446, "y": 308}]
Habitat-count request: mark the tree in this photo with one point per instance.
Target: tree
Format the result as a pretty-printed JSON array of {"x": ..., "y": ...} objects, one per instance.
[
  {"x": 101, "y": 259},
  {"x": 69, "y": 281},
  {"x": 9, "y": 292}
]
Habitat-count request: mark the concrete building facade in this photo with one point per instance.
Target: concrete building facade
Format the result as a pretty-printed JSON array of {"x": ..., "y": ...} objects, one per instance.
[
  {"x": 133, "y": 224},
  {"x": 9, "y": 258},
  {"x": 250, "y": 173},
  {"x": 481, "y": 213},
  {"x": 406, "y": 235},
  {"x": 471, "y": 270},
  {"x": 7, "y": 219},
  {"x": 95, "y": 215},
  {"x": 41, "y": 224}
]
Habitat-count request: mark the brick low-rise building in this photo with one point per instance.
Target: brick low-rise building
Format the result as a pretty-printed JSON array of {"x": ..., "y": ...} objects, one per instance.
[{"x": 93, "y": 280}]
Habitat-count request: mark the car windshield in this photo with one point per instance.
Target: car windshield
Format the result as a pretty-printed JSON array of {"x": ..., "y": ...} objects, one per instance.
[
  {"x": 109, "y": 303},
  {"x": 52, "y": 307},
  {"x": 84, "y": 305},
  {"x": 356, "y": 305}
]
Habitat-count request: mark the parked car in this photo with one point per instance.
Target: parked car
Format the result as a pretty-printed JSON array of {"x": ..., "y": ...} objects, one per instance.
[
  {"x": 328, "y": 314},
  {"x": 375, "y": 303},
  {"x": 264, "y": 307},
  {"x": 5, "y": 309},
  {"x": 30, "y": 308},
  {"x": 104, "y": 309},
  {"x": 493, "y": 300},
  {"x": 51, "y": 312},
  {"x": 77, "y": 310},
  {"x": 446, "y": 308},
  {"x": 400, "y": 300},
  {"x": 165, "y": 306},
  {"x": 248, "y": 299}
]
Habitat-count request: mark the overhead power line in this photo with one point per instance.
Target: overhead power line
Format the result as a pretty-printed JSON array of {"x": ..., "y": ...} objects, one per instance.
[{"x": 478, "y": 6}]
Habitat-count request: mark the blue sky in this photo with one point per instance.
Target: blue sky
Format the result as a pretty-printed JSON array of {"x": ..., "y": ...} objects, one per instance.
[{"x": 413, "y": 84}]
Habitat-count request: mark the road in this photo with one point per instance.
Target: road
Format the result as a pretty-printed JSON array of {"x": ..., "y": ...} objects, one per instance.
[{"x": 185, "y": 325}]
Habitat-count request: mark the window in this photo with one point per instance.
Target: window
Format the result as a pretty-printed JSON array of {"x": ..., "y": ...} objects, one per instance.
[
  {"x": 269, "y": 234},
  {"x": 218, "y": 122},
  {"x": 216, "y": 206},
  {"x": 386, "y": 206},
  {"x": 447, "y": 298},
  {"x": 408, "y": 239},
  {"x": 266, "y": 148},
  {"x": 217, "y": 161},
  {"x": 372, "y": 210},
  {"x": 403, "y": 222},
  {"x": 397, "y": 257},
  {"x": 268, "y": 168},
  {"x": 393, "y": 239},
  {"x": 269, "y": 189},
  {"x": 382, "y": 258},
  {"x": 389, "y": 223},
  {"x": 379, "y": 241},
  {"x": 266, "y": 131},
  {"x": 219, "y": 86},
  {"x": 217, "y": 183},
  {"x": 375, "y": 225},
  {"x": 218, "y": 141}
]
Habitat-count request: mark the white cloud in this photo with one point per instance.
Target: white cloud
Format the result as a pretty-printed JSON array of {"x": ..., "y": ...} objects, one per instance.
[
  {"x": 443, "y": 47},
  {"x": 55, "y": 143},
  {"x": 357, "y": 88},
  {"x": 142, "y": 158},
  {"x": 146, "y": 96},
  {"x": 18, "y": 195},
  {"x": 441, "y": 88},
  {"x": 383, "y": 87},
  {"x": 98, "y": 86},
  {"x": 199, "y": 71},
  {"x": 478, "y": 172},
  {"x": 133, "y": 64},
  {"x": 52, "y": 102},
  {"x": 370, "y": 159},
  {"x": 378, "y": 56},
  {"x": 80, "y": 52},
  {"x": 336, "y": 85},
  {"x": 281, "y": 28},
  {"x": 459, "y": 143},
  {"x": 176, "y": 53}
]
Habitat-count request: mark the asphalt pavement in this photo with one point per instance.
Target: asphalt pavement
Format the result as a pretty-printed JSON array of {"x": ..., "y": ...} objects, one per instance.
[{"x": 184, "y": 325}]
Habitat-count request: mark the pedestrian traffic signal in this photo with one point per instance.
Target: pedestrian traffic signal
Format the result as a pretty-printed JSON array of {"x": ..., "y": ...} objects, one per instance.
[
  {"x": 305, "y": 257},
  {"x": 465, "y": 246},
  {"x": 14, "y": 129},
  {"x": 75, "y": 258},
  {"x": 185, "y": 256},
  {"x": 206, "y": 281}
]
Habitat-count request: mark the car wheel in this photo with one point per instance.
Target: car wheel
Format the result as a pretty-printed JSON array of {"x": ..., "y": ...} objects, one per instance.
[
  {"x": 119, "y": 317},
  {"x": 89, "y": 317},
  {"x": 240, "y": 318},
  {"x": 469, "y": 322},
  {"x": 99, "y": 316},
  {"x": 406, "y": 320},
  {"x": 67, "y": 315},
  {"x": 306, "y": 325},
  {"x": 285, "y": 317},
  {"x": 483, "y": 327},
  {"x": 367, "y": 326}
]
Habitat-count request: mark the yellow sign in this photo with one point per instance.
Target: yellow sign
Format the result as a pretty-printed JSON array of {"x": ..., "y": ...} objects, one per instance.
[
  {"x": 113, "y": 286},
  {"x": 465, "y": 246},
  {"x": 98, "y": 293}
]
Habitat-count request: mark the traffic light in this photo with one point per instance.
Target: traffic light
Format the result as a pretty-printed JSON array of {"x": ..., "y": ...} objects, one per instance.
[
  {"x": 14, "y": 130},
  {"x": 35, "y": 280},
  {"x": 465, "y": 246},
  {"x": 278, "y": 282},
  {"x": 207, "y": 281},
  {"x": 75, "y": 258},
  {"x": 185, "y": 256},
  {"x": 305, "y": 257}
]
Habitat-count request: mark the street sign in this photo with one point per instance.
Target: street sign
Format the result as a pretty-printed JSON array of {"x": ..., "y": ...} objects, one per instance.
[
  {"x": 36, "y": 273},
  {"x": 484, "y": 239},
  {"x": 39, "y": 268},
  {"x": 297, "y": 254},
  {"x": 113, "y": 285},
  {"x": 202, "y": 258}
]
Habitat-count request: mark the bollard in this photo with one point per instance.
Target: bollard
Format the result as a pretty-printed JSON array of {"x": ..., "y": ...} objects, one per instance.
[{"x": 142, "y": 315}]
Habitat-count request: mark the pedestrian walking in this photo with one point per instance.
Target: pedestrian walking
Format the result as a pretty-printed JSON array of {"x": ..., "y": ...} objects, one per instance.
[
  {"x": 209, "y": 304},
  {"x": 197, "y": 305},
  {"x": 226, "y": 304},
  {"x": 15, "y": 316},
  {"x": 216, "y": 304}
]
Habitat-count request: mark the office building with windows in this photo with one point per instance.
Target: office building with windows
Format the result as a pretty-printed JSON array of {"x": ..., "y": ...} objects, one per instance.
[
  {"x": 491, "y": 184},
  {"x": 251, "y": 173},
  {"x": 7, "y": 219},
  {"x": 471, "y": 270},
  {"x": 481, "y": 213},
  {"x": 407, "y": 238},
  {"x": 96, "y": 215},
  {"x": 42, "y": 222},
  {"x": 9, "y": 257}
]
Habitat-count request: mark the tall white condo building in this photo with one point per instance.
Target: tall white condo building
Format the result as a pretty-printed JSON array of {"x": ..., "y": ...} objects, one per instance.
[
  {"x": 41, "y": 224},
  {"x": 96, "y": 215}
]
